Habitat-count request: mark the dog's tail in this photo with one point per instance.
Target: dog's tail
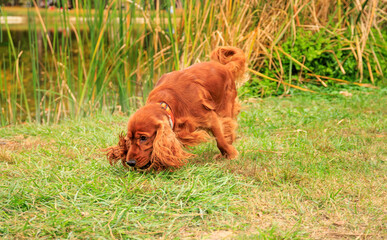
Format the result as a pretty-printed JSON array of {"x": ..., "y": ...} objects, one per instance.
[{"x": 232, "y": 57}]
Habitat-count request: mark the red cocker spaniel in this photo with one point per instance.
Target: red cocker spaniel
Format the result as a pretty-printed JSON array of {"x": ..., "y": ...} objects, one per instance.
[{"x": 180, "y": 110}]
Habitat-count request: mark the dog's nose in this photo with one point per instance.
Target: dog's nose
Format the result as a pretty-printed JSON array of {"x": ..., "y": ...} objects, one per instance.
[{"x": 131, "y": 162}]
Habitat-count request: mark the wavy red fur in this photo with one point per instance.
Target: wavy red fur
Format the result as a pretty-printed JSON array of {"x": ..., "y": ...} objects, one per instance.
[{"x": 202, "y": 99}]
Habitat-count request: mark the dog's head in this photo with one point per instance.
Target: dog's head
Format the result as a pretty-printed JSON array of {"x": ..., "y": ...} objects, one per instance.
[{"x": 151, "y": 142}]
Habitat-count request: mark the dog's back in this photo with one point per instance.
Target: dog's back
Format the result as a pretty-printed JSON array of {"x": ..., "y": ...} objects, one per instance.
[{"x": 211, "y": 84}]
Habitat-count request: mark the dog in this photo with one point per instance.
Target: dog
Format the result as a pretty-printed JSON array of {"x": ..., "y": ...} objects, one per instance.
[{"x": 182, "y": 109}]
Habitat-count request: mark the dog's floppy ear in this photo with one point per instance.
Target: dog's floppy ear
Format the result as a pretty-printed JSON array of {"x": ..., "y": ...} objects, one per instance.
[
  {"x": 118, "y": 152},
  {"x": 167, "y": 149}
]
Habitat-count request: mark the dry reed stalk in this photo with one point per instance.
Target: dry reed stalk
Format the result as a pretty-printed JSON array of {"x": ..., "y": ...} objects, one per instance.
[
  {"x": 285, "y": 83},
  {"x": 343, "y": 81}
]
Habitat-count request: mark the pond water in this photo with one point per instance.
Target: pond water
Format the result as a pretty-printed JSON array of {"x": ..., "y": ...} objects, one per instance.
[
  {"x": 33, "y": 78},
  {"x": 34, "y": 62},
  {"x": 80, "y": 64}
]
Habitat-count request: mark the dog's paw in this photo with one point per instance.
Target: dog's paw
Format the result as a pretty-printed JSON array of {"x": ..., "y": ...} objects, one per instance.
[
  {"x": 218, "y": 156},
  {"x": 231, "y": 154}
]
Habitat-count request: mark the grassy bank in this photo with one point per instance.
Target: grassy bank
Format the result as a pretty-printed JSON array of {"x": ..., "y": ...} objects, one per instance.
[{"x": 310, "y": 166}]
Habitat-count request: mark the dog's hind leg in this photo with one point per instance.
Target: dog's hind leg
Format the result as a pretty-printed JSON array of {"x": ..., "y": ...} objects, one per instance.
[{"x": 223, "y": 141}]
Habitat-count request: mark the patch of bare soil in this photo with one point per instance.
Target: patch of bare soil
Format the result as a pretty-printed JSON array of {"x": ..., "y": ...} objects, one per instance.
[
  {"x": 21, "y": 142},
  {"x": 18, "y": 144}
]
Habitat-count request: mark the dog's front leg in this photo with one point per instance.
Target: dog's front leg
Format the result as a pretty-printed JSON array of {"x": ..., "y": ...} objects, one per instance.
[{"x": 227, "y": 150}]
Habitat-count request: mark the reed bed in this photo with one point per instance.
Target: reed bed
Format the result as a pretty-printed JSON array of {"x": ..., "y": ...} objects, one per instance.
[{"x": 106, "y": 57}]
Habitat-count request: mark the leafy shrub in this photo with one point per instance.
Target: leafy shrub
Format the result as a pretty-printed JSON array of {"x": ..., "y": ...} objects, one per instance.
[{"x": 319, "y": 53}]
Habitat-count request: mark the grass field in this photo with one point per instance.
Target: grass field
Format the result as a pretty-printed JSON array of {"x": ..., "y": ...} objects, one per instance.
[{"x": 310, "y": 166}]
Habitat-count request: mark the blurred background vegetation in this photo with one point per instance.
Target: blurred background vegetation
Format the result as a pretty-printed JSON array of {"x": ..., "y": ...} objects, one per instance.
[{"x": 75, "y": 58}]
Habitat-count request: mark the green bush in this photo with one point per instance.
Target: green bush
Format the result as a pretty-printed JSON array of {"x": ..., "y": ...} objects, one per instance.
[{"x": 320, "y": 53}]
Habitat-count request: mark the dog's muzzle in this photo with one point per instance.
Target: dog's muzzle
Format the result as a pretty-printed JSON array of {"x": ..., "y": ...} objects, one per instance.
[
  {"x": 146, "y": 166},
  {"x": 132, "y": 163}
]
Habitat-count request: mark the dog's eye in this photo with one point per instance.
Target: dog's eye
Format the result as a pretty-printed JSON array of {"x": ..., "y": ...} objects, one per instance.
[{"x": 143, "y": 138}]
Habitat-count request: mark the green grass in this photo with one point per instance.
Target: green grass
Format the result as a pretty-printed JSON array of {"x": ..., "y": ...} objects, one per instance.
[{"x": 310, "y": 166}]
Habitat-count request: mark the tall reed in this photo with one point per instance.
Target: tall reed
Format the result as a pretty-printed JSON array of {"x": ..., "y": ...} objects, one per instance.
[{"x": 106, "y": 57}]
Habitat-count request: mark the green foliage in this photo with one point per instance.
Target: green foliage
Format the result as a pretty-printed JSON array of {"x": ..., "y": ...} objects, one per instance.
[
  {"x": 320, "y": 53},
  {"x": 104, "y": 56},
  {"x": 257, "y": 87}
]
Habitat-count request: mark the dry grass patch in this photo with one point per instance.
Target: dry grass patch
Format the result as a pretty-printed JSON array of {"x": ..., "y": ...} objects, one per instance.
[
  {"x": 23, "y": 143},
  {"x": 6, "y": 156}
]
